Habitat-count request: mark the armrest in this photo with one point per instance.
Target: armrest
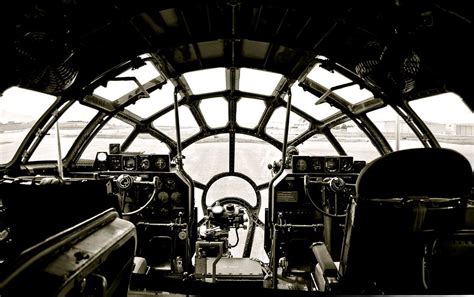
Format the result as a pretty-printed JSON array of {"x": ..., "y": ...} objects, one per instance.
[{"x": 326, "y": 270}]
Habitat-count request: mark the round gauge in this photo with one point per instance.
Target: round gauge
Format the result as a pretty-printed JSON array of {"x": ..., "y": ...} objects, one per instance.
[
  {"x": 176, "y": 197},
  {"x": 129, "y": 163},
  {"x": 170, "y": 184},
  {"x": 145, "y": 164},
  {"x": 332, "y": 164},
  {"x": 317, "y": 165},
  {"x": 346, "y": 166},
  {"x": 101, "y": 156},
  {"x": 160, "y": 163},
  {"x": 163, "y": 197},
  {"x": 301, "y": 165}
]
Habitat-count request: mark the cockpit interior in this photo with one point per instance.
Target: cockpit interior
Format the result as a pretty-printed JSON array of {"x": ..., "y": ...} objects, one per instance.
[{"x": 232, "y": 147}]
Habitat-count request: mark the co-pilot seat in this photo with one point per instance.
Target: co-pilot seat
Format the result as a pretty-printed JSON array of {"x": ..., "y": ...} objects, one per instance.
[{"x": 406, "y": 201}]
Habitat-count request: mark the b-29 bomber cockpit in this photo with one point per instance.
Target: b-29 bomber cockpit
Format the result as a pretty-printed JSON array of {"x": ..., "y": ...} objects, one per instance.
[{"x": 236, "y": 147}]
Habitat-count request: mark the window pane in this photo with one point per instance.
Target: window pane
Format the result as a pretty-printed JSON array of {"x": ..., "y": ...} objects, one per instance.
[
  {"x": 318, "y": 145},
  {"x": 205, "y": 81},
  {"x": 146, "y": 144},
  {"x": 305, "y": 101},
  {"x": 115, "y": 131},
  {"x": 116, "y": 89},
  {"x": 355, "y": 142},
  {"x": 211, "y": 153},
  {"x": 276, "y": 125},
  {"x": 16, "y": 120},
  {"x": 252, "y": 156},
  {"x": 249, "y": 112},
  {"x": 166, "y": 123},
  {"x": 215, "y": 111},
  {"x": 231, "y": 186},
  {"x": 450, "y": 120},
  {"x": 386, "y": 120},
  {"x": 71, "y": 123},
  {"x": 158, "y": 100},
  {"x": 330, "y": 79},
  {"x": 258, "y": 81}
]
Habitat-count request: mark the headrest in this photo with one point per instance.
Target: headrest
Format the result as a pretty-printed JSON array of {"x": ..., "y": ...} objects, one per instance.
[{"x": 429, "y": 172}]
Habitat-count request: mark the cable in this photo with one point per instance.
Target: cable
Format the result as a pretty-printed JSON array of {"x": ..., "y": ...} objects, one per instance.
[
  {"x": 141, "y": 208},
  {"x": 306, "y": 191},
  {"x": 238, "y": 239}
]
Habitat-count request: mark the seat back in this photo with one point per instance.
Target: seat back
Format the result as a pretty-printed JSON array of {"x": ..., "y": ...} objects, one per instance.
[{"x": 405, "y": 201}]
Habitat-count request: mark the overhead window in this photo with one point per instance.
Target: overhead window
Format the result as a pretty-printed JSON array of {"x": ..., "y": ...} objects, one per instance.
[
  {"x": 158, "y": 100},
  {"x": 116, "y": 89},
  {"x": 330, "y": 79},
  {"x": 450, "y": 120},
  {"x": 215, "y": 111},
  {"x": 205, "y": 81},
  {"x": 305, "y": 101},
  {"x": 258, "y": 81},
  {"x": 16, "y": 120}
]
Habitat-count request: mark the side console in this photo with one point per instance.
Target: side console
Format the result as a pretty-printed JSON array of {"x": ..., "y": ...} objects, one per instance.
[{"x": 308, "y": 203}]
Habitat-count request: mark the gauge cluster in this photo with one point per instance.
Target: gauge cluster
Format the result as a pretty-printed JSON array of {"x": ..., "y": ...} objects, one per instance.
[
  {"x": 326, "y": 164},
  {"x": 132, "y": 162}
]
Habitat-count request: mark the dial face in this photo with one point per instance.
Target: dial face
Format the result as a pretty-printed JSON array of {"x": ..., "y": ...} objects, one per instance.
[
  {"x": 176, "y": 197},
  {"x": 160, "y": 163},
  {"x": 301, "y": 165},
  {"x": 102, "y": 157},
  {"x": 332, "y": 164},
  {"x": 163, "y": 197},
  {"x": 317, "y": 164},
  {"x": 170, "y": 184},
  {"x": 129, "y": 163},
  {"x": 346, "y": 165},
  {"x": 145, "y": 164}
]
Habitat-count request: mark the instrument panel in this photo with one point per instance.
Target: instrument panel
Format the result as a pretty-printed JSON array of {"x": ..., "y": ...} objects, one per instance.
[
  {"x": 132, "y": 162},
  {"x": 326, "y": 164}
]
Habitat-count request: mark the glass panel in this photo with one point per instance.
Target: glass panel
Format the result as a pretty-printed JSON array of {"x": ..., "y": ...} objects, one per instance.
[
  {"x": 215, "y": 111},
  {"x": 258, "y": 81},
  {"x": 329, "y": 79},
  {"x": 144, "y": 143},
  {"x": 386, "y": 121},
  {"x": 231, "y": 186},
  {"x": 252, "y": 156},
  {"x": 318, "y": 145},
  {"x": 249, "y": 112},
  {"x": 158, "y": 100},
  {"x": 166, "y": 123},
  {"x": 71, "y": 123},
  {"x": 276, "y": 125},
  {"x": 115, "y": 131},
  {"x": 355, "y": 142},
  {"x": 205, "y": 81},
  {"x": 116, "y": 89},
  {"x": 16, "y": 120},
  {"x": 305, "y": 101},
  {"x": 450, "y": 120},
  {"x": 211, "y": 153}
]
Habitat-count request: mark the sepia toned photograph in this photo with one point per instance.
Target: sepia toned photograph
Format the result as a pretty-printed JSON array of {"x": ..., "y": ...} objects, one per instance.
[{"x": 236, "y": 148}]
